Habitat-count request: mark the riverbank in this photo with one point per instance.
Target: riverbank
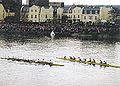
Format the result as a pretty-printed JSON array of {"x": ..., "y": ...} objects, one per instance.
[{"x": 61, "y": 30}]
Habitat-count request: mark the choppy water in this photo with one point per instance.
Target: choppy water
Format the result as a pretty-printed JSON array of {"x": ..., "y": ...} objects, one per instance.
[{"x": 72, "y": 74}]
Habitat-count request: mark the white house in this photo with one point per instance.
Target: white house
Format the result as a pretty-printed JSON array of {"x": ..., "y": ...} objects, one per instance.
[
  {"x": 46, "y": 14},
  {"x": 36, "y": 14}
]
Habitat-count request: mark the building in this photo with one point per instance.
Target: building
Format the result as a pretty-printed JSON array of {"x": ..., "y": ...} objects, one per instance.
[
  {"x": 46, "y": 14},
  {"x": 85, "y": 14},
  {"x": 25, "y": 3},
  {"x": 2, "y": 12},
  {"x": 36, "y": 14},
  {"x": 105, "y": 13},
  {"x": 74, "y": 13},
  {"x": 60, "y": 13},
  {"x": 56, "y": 4},
  {"x": 90, "y": 14},
  {"x": 44, "y": 3}
]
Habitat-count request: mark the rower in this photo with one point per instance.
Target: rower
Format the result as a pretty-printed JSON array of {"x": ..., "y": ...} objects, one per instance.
[
  {"x": 105, "y": 62},
  {"x": 70, "y": 57},
  {"x": 51, "y": 63},
  {"x": 79, "y": 58},
  {"x": 89, "y": 60},
  {"x": 42, "y": 62},
  {"x": 101, "y": 63},
  {"x": 38, "y": 60},
  {"x": 93, "y": 62},
  {"x": 84, "y": 59},
  {"x": 74, "y": 58}
]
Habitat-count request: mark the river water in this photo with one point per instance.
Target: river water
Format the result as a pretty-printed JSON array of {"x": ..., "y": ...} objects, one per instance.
[{"x": 71, "y": 74}]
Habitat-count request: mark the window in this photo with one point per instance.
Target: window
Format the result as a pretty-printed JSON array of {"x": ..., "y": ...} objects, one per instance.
[
  {"x": 90, "y": 17},
  {"x": 31, "y": 10},
  {"x": 46, "y": 16},
  {"x": 31, "y": 16},
  {"x": 88, "y": 11},
  {"x": 95, "y": 17},
  {"x": 74, "y": 16},
  {"x": 83, "y": 12},
  {"x": 93, "y": 11},
  {"x": 35, "y": 10},
  {"x": 97, "y": 12},
  {"x": 58, "y": 16},
  {"x": 74, "y": 11},
  {"x": 78, "y": 16},
  {"x": 35, "y": 16},
  {"x": 69, "y": 16},
  {"x": 84, "y": 17}
]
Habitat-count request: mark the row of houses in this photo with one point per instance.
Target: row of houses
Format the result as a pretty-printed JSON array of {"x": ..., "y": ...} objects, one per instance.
[
  {"x": 73, "y": 13},
  {"x": 36, "y": 13}
]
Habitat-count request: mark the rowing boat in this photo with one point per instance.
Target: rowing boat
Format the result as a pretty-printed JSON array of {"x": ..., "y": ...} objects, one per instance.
[
  {"x": 91, "y": 63},
  {"x": 33, "y": 61}
]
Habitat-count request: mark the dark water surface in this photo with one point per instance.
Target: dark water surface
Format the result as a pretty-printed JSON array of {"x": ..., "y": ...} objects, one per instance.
[{"x": 72, "y": 74}]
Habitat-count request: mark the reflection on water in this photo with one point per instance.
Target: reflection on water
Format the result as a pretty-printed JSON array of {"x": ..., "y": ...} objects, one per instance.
[{"x": 72, "y": 74}]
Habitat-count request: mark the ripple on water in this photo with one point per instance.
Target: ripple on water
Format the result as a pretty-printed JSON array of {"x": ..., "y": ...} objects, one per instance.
[{"x": 72, "y": 74}]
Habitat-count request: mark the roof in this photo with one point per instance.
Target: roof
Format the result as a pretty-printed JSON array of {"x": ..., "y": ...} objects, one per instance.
[
  {"x": 66, "y": 7},
  {"x": 91, "y": 8},
  {"x": 70, "y": 7}
]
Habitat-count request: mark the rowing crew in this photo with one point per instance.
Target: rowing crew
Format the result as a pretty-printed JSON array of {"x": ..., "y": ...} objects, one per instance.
[
  {"x": 90, "y": 60},
  {"x": 30, "y": 61}
]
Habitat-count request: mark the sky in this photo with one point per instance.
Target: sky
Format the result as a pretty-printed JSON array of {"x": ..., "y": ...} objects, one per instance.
[{"x": 87, "y": 2}]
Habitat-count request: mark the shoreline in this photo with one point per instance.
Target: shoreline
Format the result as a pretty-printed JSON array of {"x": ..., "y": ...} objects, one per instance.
[{"x": 61, "y": 30}]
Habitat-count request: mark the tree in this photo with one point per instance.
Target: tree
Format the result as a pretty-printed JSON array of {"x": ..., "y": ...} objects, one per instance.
[
  {"x": 14, "y": 6},
  {"x": 64, "y": 18},
  {"x": 114, "y": 14}
]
